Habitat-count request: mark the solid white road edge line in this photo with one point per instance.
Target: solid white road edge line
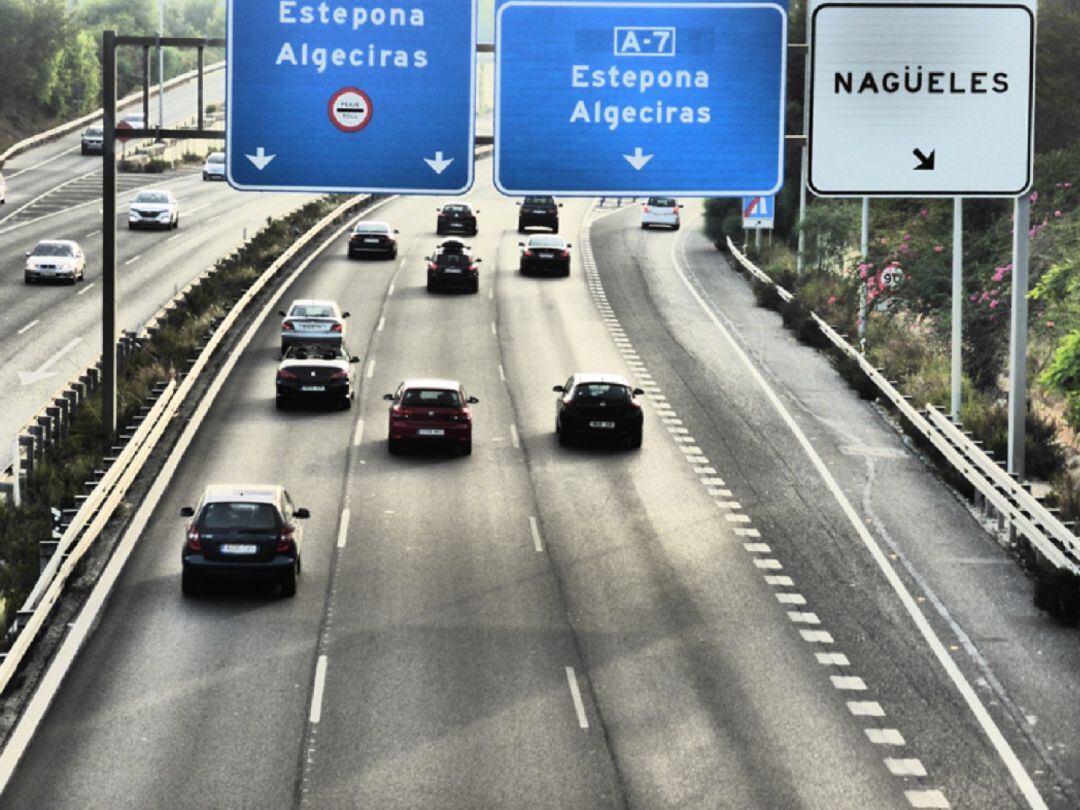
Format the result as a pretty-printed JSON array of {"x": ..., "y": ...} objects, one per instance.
[
  {"x": 514, "y": 438},
  {"x": 534, "y": 529},
  {"x": 575, "y": 693},
  {"x": 81, "y": 628},
  {"x": 28, "y": 327},
  {"x": 343, "y": 528},
  {"x": 986, "y": 722},
  {"x": 317, "y": 691}
]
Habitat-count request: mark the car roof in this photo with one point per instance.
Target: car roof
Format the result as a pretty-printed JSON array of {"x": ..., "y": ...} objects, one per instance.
[
  {"x": 432, "y": 382},
  {"x": 69, "y": 242},
  {"x": 153, "y": 191},
  {"x": 314, "y": 302},
  {"x": 595, "y": 377},
  {"x": 253, "y": 493},
  {"x": 373, "y": 222}
]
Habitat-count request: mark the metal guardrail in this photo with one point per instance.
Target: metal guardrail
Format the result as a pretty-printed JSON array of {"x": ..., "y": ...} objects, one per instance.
[
  {"x": 1017, "y": 508},
  {"x": 71, "y": 126}
]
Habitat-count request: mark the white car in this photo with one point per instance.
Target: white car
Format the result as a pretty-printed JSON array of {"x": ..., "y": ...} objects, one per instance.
[
  {"x": 313, "y": 322},
  {"x": 55, "y": 259},
  {"x": 3, "y": 188},
  {"x": 154, "y": 208},
  {"x": 214, "y": 167},
  {"x": 660, "y": 211}
]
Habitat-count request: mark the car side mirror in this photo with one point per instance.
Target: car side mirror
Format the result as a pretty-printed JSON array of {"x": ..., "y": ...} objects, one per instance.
[
  {"x": 568, "y": 245},
  {"x": 681, "y": 205},
  {"x": 281, "y": 312},
  {"x": 476, "y": 211},
  {"x": 477, "y": 261},
  {"x": 638, "y": 392},
  {"x": 28, "y": 254},
  {"x": 472, "y": 400},
  {"x": 517, "y": 203},
  {"x": 187, "y": 511},
  {"x": 559, "y": 388},
  {"x": 354, "y": 359},
  {"x": 302, "y": 513},
  {"x": 388, "y": 397},
  {"x": 560, "y": 205},
  {"x": 396, "y": 230},
  {"x": 521, "y": 244},
  {"x": 428, "y": 259},
  {"x": 346, "y": 314}
]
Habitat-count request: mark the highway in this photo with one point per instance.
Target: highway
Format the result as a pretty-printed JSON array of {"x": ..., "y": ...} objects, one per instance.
[
  {"x": 54, "y": 192},
  {"x": 773, "y": 603}
]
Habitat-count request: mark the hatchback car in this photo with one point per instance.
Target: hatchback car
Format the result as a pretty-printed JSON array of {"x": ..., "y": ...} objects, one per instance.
[
  {"x": 539, "y": 211},
  {"x": 310, "y": 372},
  {"x": 242, "y": 531},
  {"x": 214, "y": 166},
  {"x": 598, "y": 405},
  {"x": 311, "y": 321},
  {"x": 663, "y": 211},
  {"x": 430, "y": 410},
  {"x": 457, "y": 218},
  {"x": 453, "y": 267},
  {"x": 154, "y": 208},
  {"x": 373, "y": 238},
  {"x": 92, "y": 141},
  {"x": 55, "y": 260},
  {"x": 545, "y": 254}
]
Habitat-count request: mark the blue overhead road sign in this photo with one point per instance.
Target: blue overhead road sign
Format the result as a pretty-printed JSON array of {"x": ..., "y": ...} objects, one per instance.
[
  {"x": 356, "y": 96},
  {"x": 639, "y": 98}
]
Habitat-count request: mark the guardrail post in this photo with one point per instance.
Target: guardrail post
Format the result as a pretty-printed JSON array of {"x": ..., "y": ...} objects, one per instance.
[
  {"x": 28, "y": 457},
  {"x": 55, "y": 413}
]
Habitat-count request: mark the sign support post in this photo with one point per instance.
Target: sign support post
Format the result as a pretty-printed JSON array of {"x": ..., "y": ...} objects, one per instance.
[
  {"x": 804, "y": 161},
  {"x": 864, "y": 246},
  {"x": 957, "y": 305},
  {"x": 108, "y": 239},
  {"x": 1018, "y": 326}
]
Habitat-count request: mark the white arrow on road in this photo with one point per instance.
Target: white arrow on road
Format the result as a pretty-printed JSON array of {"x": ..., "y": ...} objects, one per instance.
[
  {"x": 260, "y": 158},
  {"x": 638, "y": 160},
  {"x": 42, "y": 373},
  {"x": 438, "y": 164}
]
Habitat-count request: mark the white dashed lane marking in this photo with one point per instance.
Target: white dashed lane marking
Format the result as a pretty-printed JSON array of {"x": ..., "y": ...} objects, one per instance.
[
  {"x": 343, "y": 529},
  {"x": 317, "y": 692},
  {"x": 575, "y": 695},
  {"x": 885, "y": 736},
  {"x": 534, "y": 530},
  {"x": 865, "y": 708},
  {"x": 905, "y": 767}
]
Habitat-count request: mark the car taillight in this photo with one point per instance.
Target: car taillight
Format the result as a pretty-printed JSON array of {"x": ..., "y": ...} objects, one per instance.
[
  {"x": 194, "y": 543},
  {"x": 566, "y": 254},
  {"x": 285, "y": 374},
  {"x": 339, "y": 375},
  {"x": 441, "y": 215},
  {"x": 286, "y": 540},
  {"x": 337, "y": 327},
  {"x": 645, "y": 209},
  {"x": 432, "y": 266},
  {"x": 286, "y": 326},
  {"x": 527, "y": 252},
  {"x": 472, "y": 268}
]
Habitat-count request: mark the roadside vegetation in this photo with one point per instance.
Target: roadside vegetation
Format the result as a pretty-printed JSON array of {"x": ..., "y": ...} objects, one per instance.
[{"x": 908, "y": 328}]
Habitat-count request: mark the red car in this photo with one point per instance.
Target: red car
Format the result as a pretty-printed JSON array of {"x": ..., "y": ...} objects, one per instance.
[{"x": 430, "y": 410}]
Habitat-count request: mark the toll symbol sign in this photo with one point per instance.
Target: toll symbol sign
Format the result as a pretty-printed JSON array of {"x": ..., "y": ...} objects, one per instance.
[{"x": 350, "y": 109}]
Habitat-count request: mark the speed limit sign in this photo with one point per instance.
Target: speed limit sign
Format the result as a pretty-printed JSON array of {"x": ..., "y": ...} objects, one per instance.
[
  {"x": 350, "y": 109},
  {"x": 889, "y": 278}
]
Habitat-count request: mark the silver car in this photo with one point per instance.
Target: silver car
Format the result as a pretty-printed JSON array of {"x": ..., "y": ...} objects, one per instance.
[
  {"x": 312, "y": 321},
  {"x": 214, "y": 167},
  {"x": 3, "y": 188},
  {"x": 660, "y": 211},
  {"x": 154, "y": 208},
  {"x": 92, "y": 140},
  {"x": 55, "y": 260}
]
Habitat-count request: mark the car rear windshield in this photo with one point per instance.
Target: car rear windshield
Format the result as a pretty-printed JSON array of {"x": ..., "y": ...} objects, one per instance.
[
  {"x": 314, "y": 352},
  {"x": 371, "y": 227},
  {"x": 662, "y": 202},
  {"x": 310, "y": 311},
  {"x": 455, "y": 209},
  {"x": 431, "y": 397},
  {"x": 52, "y": 249},
  {"x": 239, "y": 516},
  {"x": 152, "y": 197},
  {"x": 539, "y": 201},
  {"x": 93, "y": 132},
  {"x": 595, "y": 392},
  {"x": 546, "y": 242},
  {"x": 216, "y": 157},
  {"x": 452, "y": 260}
]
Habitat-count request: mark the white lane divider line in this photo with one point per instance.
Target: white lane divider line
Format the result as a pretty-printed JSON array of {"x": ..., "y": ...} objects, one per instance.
[
  {"x": 358, "y": 434},
  {"x": 382, "y": 323},
  {"x": 491, "y": 295},
  {"x": 848, "y": 683},
  {"x": 317, "y": 692},
  {"x": 174, "y": 236},
  {"x": 91, "y": 235},
  {"x": 905, "y": 767},
  {"x": 885, "y": 736},
  {"x": 779, "y": 581},
  {"x": 743, "y": 532},
  {"x": 370, "y": 369},
  {"x": 926, "y": 798},
  {"x": 791, "y": 599},
  {"x": 865, "y": 708},
  {"x": 514, "y": 438},
  {"x": 85, "y": 289},
  {"x": 343, "y": 528},
  {"x": 133, "y": 259},
  {"x": 803, "y": 617},
  {"x": 730, "y": 517},
  {"x": 767, "y": 564},
  {"x": 832, "y": 659},
  {"x": 730, "y": 505},
  {"x": 575, "y": 693},
  {"x": 757, "y": 548},
  {"x": 28, "y": 327},
  {"x": 390, "y": 291},
  {"x": 494, "y": 329},
  {"x": 502, "y": 373},
  {"x": 534, "y": 530},
  {"x": 816, "y": 636},
  {"x": 191, "y": 211}
]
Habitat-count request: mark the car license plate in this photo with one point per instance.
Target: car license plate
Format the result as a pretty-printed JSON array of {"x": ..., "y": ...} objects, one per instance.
[
  {"x": 430, "y": 432},
  {"x": 547, "y": 255},
  {"x": 238, "y": 548},
  {"x": 603, "y": 425},
  {"x": 313, "y": 388},
  {"x": 371, "y": 240},
  {"x": 538, "y": 210},
  {"x": 452, "y": 270}
]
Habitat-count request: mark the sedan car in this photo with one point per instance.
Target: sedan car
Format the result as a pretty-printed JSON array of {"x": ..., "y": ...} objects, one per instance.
[
  {"x": 453, "y": 267},
  {"x": 3, "y": 189},
  {"x": 598, "y": 405},
  {"x": 662, "y": 211},
  {"x": 430, "y": 410},
  {"x": 310, "y": 372},
  {"x": 545, "y": 254},
  {"x": 373, "y": 238},
  {"x": 92, "y": 140},
  {"x": 539, "y": 211},
  {"x": 457, "y": 218},
  {"x": 154, "y": 208},
  {"x": 242, "y": 531},
  {"x": 311, "y": 321},
  {"x": 55, "y": 260},
  {"x": 214, "y": 167}
]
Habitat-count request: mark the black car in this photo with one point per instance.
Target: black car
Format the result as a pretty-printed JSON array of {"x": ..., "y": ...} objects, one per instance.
[
  {"x": 242, "y": 531},
  {"x": 313, "y": 372},
  {"x": 545, "y": 254},
  {"x": 373, "y": 238},
  {"x": 539, "y": 211},
  {"x": 453, "y": 267},
  {"x": 92, "y": 140},
  {"x": 600, "y": 406},
  {"x": 457, "y": 218}
]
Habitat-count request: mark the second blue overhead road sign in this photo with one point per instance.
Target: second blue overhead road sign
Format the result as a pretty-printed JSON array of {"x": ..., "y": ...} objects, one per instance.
[
  {"x": 360, "y": 96},
  {"x": 639, "y": 97}
]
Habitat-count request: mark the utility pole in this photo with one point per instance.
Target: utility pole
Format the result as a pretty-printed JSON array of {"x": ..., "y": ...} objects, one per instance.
[
  {"x": 161, "y": 65},
  {"x": 957, "y": 305}
]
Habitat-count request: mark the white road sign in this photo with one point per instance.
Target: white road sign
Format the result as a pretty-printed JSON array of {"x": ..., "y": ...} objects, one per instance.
[{"x": 921, "y": 99}]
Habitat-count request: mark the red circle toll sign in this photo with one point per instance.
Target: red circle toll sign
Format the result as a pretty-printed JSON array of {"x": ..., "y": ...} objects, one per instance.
[{"x": 350, "y": 109}]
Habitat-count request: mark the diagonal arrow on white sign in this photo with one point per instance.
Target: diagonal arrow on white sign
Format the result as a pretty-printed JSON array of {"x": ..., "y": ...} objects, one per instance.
[
  {"x": 260, "y": 158},
  {"x": 42, "y": 373}
]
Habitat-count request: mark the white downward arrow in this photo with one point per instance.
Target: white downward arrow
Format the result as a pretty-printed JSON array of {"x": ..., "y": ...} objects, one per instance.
[
  {"x": 638, "y": 160},
  {"x": 42, "y": 373},
  {"x": 438, "y": 164},
  {"x": 260, "y": 158}
]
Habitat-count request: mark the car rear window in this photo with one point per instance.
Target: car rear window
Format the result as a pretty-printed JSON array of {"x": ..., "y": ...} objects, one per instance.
[
  {"x": 452, "y": 260},
  {"x": 371, "y": 227},
  {"x": 662, "y": 202},
  {"x": 310, "y": 311},
  {"x": 93, "y": 132},
  {"x": 216, "y": 157},
  {"x": 239, "y": 515},
  {"x": 52, "y": 249},
  {"x": 546, "y": 242},
  {"x": 152, "y": 197},
  {"x": 455, "y": 208},
  {"x": 431, "y": 397},
  {"x": 539, "y": 201},
  {"x": 609, "y": 392}
]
